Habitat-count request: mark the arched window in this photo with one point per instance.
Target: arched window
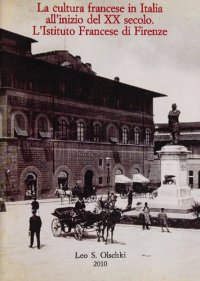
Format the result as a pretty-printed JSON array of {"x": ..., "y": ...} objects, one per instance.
[
  {"x": 137, "y": 136},
  {"x": 80, "y": 131},
  {"x": 97, "y": 130},
  {"x": 20, "y": 126},
  {"x": 63, "y": 180},
  {"x": 119, "y": 172},
  {"x": 124, "y": 135},
  {"x": 31, "y": 186},
  {"x": 43, "y": 128},
  {"x": 113, "y": 134},
  {"x": 148, "y": 137},
  {"x": 62, "y": 129},
  {"x": 19, "y": 121},
  {"x": 42, "y": 124},
  {"x": 136, "y": 171},
  {"x": 112, "y": 131}
]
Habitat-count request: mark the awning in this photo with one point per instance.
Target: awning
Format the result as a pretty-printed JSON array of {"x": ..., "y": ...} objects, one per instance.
[
  {"x": 140, "y": 178},
  {"x": 45, "y": 135},
  {"x": 122, "y": 179},
  {"x": 21, "y": 133},
  {"x": 113, "y": 140}
]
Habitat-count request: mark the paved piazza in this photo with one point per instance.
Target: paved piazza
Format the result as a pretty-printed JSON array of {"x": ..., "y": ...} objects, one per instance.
[{"x": 150, "y": 255}]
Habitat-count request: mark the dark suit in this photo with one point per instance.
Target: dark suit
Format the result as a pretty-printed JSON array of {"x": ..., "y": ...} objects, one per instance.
[
  {"x": 80, "y": 209},
  {"x": 130, "y": 198},
  {"x": 35, "y": 224},
  {"x": 80, "y": 205}
]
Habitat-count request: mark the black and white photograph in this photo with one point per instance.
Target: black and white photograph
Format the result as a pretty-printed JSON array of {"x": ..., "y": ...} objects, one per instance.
[{"x": 99, "y": 140}]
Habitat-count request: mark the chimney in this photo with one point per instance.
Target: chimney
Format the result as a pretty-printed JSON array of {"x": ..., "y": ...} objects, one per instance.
[
  {"x": 78, "y": 59},
  {"x": 116, "y": 79},
  {"x": 89, "y": 66}
]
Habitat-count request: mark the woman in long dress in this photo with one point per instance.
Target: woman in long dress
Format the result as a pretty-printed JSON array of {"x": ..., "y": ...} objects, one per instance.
[{"x": 146, "y": 216}]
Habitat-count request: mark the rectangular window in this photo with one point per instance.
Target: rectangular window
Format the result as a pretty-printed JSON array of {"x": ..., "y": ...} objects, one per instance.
[
  {"x": 191, "y": 173},
  {"x": 100, "y": 180},
  {"x": 191, "y": 178},
  {"x": 100, "y": 162}
]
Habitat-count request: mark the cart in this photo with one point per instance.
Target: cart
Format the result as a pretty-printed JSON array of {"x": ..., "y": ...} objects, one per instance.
[{"x": 67, "y": 218}]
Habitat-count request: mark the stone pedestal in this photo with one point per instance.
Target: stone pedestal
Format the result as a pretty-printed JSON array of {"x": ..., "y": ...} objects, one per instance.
[{"x": 175, "y": 195}]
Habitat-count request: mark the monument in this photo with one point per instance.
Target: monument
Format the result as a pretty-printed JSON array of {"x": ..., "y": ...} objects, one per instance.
[
  {"x": 174, "y": 195},
  {"x": 173, "y": 123}
]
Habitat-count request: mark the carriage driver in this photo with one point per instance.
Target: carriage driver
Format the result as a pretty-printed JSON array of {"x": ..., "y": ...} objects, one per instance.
[
  {"x": 80, "y": 207},
  {"x": 72, "y": 215},
  {"x": 109, "y": 205}
]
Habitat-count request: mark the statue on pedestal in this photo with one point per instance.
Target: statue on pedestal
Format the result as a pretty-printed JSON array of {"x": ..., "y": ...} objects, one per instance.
[{"x": 174, "y": 124}]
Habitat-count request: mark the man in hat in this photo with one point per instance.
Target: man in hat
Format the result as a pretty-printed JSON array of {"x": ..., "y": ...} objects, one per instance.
[
  {"x": 80, "y": 204},
  {"x": 35, "y": 205},
  {"x": 35, "y": 224},
  {"x": 146, "y": 216},
  {"x": 80, "y": 207},
  {"x": 174, "y": 123}
]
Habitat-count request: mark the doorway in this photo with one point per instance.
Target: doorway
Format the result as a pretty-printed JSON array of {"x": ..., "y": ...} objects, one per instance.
[
  {"x": 31, "y": 186},
  {"x": 63, "y": 180},
  {"x": 88, "y": 182}
]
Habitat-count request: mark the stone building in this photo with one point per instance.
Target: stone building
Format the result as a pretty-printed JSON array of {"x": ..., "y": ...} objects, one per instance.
[
  {"x": 59, "y": 122},
  {"x": 190, "y": 138}
]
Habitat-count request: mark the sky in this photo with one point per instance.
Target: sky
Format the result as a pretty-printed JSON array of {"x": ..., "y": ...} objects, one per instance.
[{"x": 166, "y": 64}]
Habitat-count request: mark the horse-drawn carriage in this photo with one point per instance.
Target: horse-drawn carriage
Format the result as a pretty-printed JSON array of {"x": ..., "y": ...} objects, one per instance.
[
  {"x": 67, "y": 218},
  {"x": 85, "y": 221},
  {"x": 72, "y": 195}
]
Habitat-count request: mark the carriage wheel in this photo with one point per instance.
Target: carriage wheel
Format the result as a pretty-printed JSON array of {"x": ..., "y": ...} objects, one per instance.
[
  {"x": 123, "y": 195},
  {"x": 93, "y": 198},
  {"x": 78, "y": 232},
  {"x": 87, "y": 199},
  {"x": 56, "y": 227}
]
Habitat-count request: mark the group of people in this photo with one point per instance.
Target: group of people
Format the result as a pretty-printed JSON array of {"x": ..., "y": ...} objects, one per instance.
[
  {"x": 146, "y": 220},
  {"x": 107, "y": 204},
  {"x": 35, "y": 221}
]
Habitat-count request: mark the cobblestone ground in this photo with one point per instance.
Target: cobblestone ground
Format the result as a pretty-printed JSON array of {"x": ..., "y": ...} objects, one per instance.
[{"x": 150, "y": 255}]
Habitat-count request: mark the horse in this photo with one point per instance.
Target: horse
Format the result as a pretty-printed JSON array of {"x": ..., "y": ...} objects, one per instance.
[
  {"x": 60, "y": 193},
  {"x": 109, "y": 220}
]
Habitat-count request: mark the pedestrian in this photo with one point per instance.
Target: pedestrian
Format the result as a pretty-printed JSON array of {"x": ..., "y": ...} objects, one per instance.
[
  {"x": 110, "y": 202},
  {"x": 35, "y": 205},
  {"x": 77, "y": 190},
  {"x": 130, "y": 198},
  {"x": 35, "y": 224},
  {"x": 146, "y": 216},
  {"x": 80, "y": 208},
  {"x": 94, "y": 190},
  {"x": 108, "y": 195},
  {"x": 62, "y": 195},
  {"x": 162, "y": 216}
]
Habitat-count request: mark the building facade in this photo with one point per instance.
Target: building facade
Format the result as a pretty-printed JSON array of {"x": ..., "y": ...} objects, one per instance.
[
  {"x": 190, "y": 138},
  {"x": 59, "y": 122}
]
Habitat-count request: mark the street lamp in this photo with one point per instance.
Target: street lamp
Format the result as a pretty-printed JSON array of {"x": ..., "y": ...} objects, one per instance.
[
  {"x": 108, "y": 161},
  {"x": 7, "y": 179}
]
